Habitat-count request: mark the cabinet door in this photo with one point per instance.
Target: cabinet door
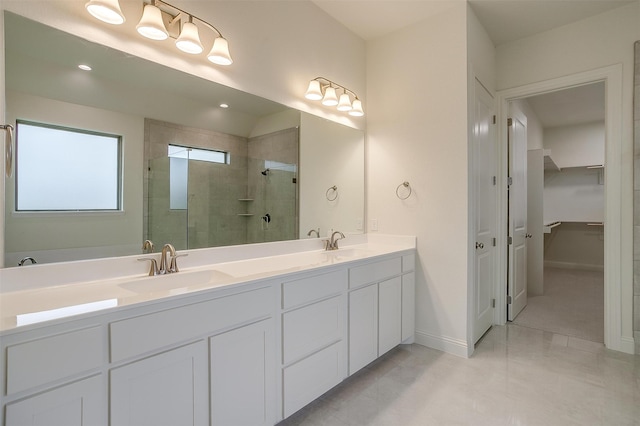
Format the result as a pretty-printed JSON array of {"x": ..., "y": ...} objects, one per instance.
[
  {"x": 363, "y": 327},
  {"x": 243, "y": 376},
  {"x": 389, "y": 314},
  {"x": 77, "y": 404},
  {"x": 170, "y": 389},
  {"x": 408, "y": 307}
]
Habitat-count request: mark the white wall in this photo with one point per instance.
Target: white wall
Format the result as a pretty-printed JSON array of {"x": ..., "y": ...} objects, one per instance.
[
  {"x": 277, "y": 46},
  {"x": 63, "y": 237},
  {"x": 592, "y": 43},
  {"x": 576, "y": 146},
  {"x": 416, "y": 132}
]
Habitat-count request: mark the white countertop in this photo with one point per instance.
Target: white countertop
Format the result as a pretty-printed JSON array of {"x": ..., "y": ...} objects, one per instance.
[{"x": 29, "y": 304}]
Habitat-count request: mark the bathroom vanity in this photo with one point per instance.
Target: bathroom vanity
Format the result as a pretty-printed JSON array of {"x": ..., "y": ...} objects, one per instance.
[{"x": 248, "y": 341}]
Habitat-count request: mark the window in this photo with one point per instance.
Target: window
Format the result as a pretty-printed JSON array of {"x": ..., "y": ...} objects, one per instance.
[
  {"x": 62, "y": 169},
  {"x": 179, "y": 157}
]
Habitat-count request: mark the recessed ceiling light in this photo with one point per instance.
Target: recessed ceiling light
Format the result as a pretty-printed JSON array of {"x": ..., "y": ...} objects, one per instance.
[
  {"x": 224, "y": 106},
  {"x": 84, "y": 67}
]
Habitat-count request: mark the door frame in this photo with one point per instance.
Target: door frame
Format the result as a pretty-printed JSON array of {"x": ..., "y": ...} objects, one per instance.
[{"x": 612, "y": 77}]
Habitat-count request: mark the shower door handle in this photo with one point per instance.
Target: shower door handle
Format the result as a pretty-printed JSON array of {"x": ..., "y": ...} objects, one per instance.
[{"x": 8, "y": 149}]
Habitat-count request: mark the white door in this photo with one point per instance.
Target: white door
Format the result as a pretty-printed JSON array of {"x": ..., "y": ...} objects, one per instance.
[
  {"x": 484, "y": 193},
  {"x": 517, "y": 276},
  {"x": 389, "y": 314},
  {"x": 363, "y": 327}
]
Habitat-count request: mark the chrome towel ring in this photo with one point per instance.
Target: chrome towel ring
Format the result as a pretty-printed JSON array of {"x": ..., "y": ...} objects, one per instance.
[
  {"x": 332, "y": 191},
  {"x": 404, "y": 184}
]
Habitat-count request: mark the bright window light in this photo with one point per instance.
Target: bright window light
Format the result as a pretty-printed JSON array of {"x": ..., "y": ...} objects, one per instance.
[{"x": 62, "y": 169}]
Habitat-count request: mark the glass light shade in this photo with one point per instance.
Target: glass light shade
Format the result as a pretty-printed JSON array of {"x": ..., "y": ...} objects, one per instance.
[
  {"x": 151, "y": 25},
  {"x": 220, "y": 52},
  {"x": 330, "y": 97},
  {"x": 356, "y": 110},
  {"x": 314, "y": 92},
  {"x": 106, "y": 10},
  {"x": 189, "y": 40},
  {"x": 345, "y": 103}
]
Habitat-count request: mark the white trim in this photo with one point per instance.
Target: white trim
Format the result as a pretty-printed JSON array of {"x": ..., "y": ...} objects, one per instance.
[
  {"x": 612, "y": 76},
  {"x": 445, "y": 344},
  {"x": 627, "y": 345}
]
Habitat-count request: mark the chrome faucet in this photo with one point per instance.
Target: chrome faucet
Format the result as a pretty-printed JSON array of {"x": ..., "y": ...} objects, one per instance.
[
  {"x": 28, "y": 258},
  {"x": 317, "y": 232},
  {"x": 333, "y": 243}
]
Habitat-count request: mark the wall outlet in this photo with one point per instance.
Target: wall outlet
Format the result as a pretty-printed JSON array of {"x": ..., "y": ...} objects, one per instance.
[
  {"x": 359, "y": 224},
  {"x": 374, "y": 224}
]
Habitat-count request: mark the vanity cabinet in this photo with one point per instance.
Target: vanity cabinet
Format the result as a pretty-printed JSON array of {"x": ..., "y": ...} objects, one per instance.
[
  {"x": 80, "y": 403},
  {"x": 381, "y": 309},
  {"x": 169, "y": 388},
  {"x": 313, "y": 337}
]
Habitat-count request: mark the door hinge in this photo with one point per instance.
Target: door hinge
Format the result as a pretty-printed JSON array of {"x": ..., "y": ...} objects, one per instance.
[
  {"x": 494, "y": 119},
  {"x": 493, "y": 303},
  {"x": 493, "y": 241},
  {"x": 509, "y": 300},
  {"x": 509, "y": 122},
  {"x": 509, "y": 181},
  {"x": 494, "y": 180},
  {"x": 509, "y": 240}
]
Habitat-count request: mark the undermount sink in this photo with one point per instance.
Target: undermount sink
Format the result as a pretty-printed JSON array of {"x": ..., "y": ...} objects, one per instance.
[
  {"x": 350, "y": 253},
  {"x": 174, "y": 281}
]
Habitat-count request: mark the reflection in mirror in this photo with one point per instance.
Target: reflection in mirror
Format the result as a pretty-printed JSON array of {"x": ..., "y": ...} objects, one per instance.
[{"x": 150, "y": 107}]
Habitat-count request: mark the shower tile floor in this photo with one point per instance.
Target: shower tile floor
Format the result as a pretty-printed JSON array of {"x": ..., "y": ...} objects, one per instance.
[{"x": 517, "y": 376}]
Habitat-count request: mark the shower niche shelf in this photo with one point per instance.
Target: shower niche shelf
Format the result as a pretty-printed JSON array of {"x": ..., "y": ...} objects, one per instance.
[
  {"x": 245, "y": 199},
  {"x": 245, "y": 214}
]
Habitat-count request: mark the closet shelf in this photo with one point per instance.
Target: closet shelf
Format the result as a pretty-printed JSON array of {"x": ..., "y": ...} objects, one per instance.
[
  {"x": 549, "y": 226},
  {"x": 549, "y": 164}
]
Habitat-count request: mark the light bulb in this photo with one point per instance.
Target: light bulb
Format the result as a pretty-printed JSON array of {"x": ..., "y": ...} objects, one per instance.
[
  {"x": 330, "y": 97},
  {"x": 345, "y": 103},
  {"x": 356, "y": 110},
  {"x": 151, "y": 24},
  {"x": 106, "y": 10},
  {"x": 220, "y": 52},
  {"x": 314, "y": 92},
  {"x": 189, "y": 40}
]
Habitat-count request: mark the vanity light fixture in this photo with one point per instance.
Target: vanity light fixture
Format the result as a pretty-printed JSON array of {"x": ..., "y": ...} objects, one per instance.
[
  {"x": 161, "y": 20},
  {"x": 323, "y": 89}
]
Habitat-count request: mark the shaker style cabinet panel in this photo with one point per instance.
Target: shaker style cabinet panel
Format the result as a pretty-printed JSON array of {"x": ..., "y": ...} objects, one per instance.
[
  {"x": 363, "y": 327},
  {"x": 170, "y": 389},
  {"x": 77, "y": 404},
  {"x": 243, "y": 374},
  {"x": 389, "y": 315}
]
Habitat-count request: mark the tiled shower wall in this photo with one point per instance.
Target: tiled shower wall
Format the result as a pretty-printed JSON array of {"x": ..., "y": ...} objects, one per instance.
[
  {"x": 217, "y": 193},
  {"x": 636, "y": 200}
]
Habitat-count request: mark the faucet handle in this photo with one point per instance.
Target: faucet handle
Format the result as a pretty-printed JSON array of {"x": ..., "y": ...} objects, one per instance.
[
  {"x": 173, "y": 266},
  {"x": 153, "y": 268}
]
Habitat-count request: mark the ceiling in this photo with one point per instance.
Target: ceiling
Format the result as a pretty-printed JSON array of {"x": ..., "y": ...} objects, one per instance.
[{"x": 504, "y": 20}]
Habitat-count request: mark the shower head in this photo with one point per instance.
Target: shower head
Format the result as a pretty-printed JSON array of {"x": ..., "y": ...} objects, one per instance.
[{"x": 265, "y": 172}]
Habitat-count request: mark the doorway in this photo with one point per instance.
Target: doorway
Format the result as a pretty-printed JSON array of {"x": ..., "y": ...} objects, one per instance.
[
  {"x": 565, "y": 212},
  {"x": 613, "y": 306}
]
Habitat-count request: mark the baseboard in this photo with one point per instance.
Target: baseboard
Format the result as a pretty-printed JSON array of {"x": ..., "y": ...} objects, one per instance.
[
  {"x": 443, "y": 343},
  {"x": 571, "y": 265},
  {"x": 627, "y": 345}
]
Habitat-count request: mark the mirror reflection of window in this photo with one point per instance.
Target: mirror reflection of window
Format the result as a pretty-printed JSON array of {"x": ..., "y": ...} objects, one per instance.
[{"x": 63, "y": 169}]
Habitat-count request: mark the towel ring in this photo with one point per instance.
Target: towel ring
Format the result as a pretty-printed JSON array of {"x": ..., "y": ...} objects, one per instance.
[
  {"x": 335, "y": 191},
  {"x": 406, "y": 185}
]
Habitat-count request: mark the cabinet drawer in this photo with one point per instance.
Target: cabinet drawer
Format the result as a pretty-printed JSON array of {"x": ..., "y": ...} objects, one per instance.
[
  {"x": 306, "y": 290},
  {"x": 312, "y": 327},
  {"x": 41, "y": 361},
  {"x": 408, "y": 262},
  {"x": 374, "y": 272},
  {"x": 306, "y": 380},
  {"x": 141, "y": 334}
]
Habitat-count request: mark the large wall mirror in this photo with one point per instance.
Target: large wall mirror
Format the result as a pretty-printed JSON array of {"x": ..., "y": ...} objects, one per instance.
[{"x": 191, "y": 172}]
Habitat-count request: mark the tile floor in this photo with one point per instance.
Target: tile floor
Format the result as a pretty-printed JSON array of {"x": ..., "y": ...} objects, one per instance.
[
  {"x": 517, "y": 376},
  {"x": 572, "y": 304}
]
